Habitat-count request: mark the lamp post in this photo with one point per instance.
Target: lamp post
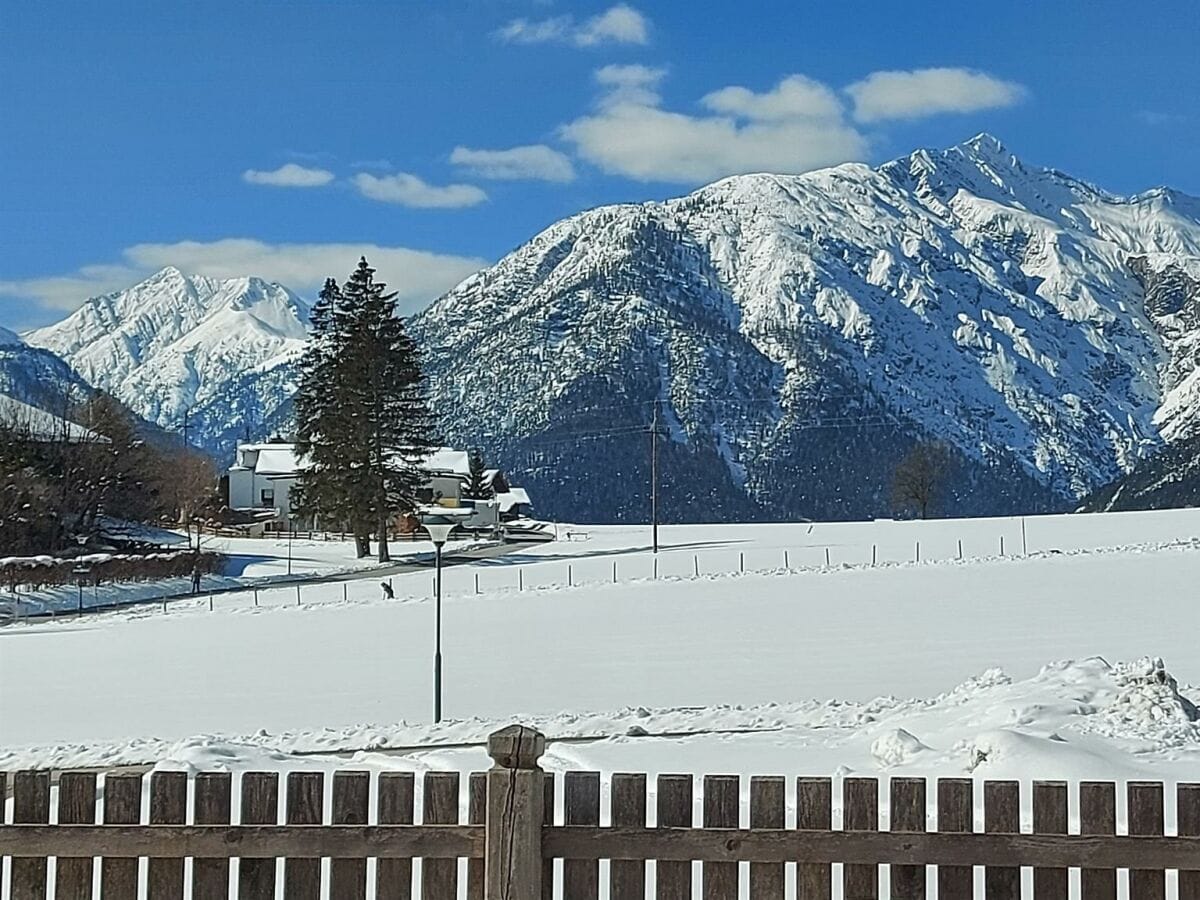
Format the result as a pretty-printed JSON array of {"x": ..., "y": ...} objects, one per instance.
[{"x": 439, "y": 522}]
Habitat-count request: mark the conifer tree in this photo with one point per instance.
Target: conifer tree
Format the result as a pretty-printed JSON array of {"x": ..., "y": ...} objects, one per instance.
[
  {"x": 363, "y": 423},
  {"x": 477, "y": 487}
]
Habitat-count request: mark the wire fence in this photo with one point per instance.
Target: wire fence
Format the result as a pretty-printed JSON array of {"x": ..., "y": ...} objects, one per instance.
[{"x": 519, "y": 573}]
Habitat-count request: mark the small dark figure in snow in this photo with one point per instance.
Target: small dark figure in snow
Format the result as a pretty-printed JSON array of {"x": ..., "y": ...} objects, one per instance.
[
  {"x": 387, "y": 591},
  {"x": 196, "y": 578}
]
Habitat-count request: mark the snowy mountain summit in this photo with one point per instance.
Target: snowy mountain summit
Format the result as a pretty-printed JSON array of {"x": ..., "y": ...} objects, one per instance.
[
  {"x": 799, "y": 332},
  {"x": 220, "y": 351}
]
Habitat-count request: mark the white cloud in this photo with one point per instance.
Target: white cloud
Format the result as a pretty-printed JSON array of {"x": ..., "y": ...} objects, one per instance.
[
  {"x": 419, "y": 276},
  {"x": 796, "y": 126},
  {"x": 925, "y": 92},
  {"x": 408, "y": 190},
  {"x": 630, "y": 84},
  {"x": 796, "y": 97},
  {"x": 620, "y": 24},
  {"x": 289, "y": 175},
  {"x": 1155, "y": 119},
  {"x": 533, "y": 162}
]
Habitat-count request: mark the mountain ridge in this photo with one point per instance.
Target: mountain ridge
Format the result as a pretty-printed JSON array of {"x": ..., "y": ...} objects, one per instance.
[
  {"x": 213, "y": 354},
  {"x": 897, "y": 286},
  {"x": 796, "y": 333}
]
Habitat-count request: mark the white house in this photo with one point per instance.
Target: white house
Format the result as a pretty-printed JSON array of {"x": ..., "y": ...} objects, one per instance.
[{"x": 263, "y": 476}]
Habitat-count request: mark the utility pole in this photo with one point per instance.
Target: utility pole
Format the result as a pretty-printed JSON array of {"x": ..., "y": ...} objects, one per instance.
[
  {"x": 186, "y": 427},
  {"x": 654, "y": 477}
]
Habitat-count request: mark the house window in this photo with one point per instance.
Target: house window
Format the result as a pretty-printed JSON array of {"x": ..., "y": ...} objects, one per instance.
[{"x": 268, "y": 498}]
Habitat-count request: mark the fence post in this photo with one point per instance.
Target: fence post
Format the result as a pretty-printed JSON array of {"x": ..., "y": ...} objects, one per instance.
[{"x": 515, "y": 806}]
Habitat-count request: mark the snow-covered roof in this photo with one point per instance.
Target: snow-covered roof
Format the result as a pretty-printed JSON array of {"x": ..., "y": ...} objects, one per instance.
[
  {"x": 447, "y": 459},
  {"x": 279, "y": 459},
  {"x": 513, "y": 497},
  {"x": 41, "y": 425},
  {"x": 139, "y": 532}
]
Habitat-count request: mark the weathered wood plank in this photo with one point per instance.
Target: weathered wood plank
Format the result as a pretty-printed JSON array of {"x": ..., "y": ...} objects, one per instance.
[
  {"x": 721, "y": 804},
  {"x": 213, "y": 801},
  {"x": 548, "y": 817},
  {"x": 76, "y": 806},
  {"x": 231, "y": 841},
  {"x": 814, "y": 812},
  {"x": 581, "y": 806},
  {"x": 768, "y": 803},
  {"x": 122, "y": 806},
  {"x": 393, "y": 877},
  {"x": 1049, "y": 817},
  {"x": 476, "y": 815},
  {"x": 1098, "y": 816},
  {"x": 3, "y": 814},
  {"x": 31, "y": 804},
  {"x": 860, "y": 812},
  {"x": 627, "y": 877},
  {"x": 260, "y": 806},
  {"x": 673, "y": 810},
  {"x": 1002, "y": 815},
  {"x": 907, "y": 796},
  {"x": 933, "y": 849},
  {"x": 168, "y": 806},
  {"x": 1146, "y": 818},
  {"x": 351, "y": 806},
  {"x": 1187, "y": 820},
  {"x": 305, "y": 805},
  {"x": 955, "y": 815},
  {"x": 439, "y": 877}
]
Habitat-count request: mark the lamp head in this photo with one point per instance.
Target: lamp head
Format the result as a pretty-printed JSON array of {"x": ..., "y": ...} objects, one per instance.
[{"x": 440, "y": 521}]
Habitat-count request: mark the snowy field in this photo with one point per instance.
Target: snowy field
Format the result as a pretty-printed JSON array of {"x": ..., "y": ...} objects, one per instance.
[{"x": 939, "y": 666}]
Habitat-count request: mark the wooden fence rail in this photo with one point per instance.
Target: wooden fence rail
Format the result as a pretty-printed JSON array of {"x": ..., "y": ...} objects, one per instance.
[{"x": 507, "y": 829}]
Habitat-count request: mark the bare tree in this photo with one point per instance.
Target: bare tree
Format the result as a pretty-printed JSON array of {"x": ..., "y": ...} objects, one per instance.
[{"x": 920, "y": 477}]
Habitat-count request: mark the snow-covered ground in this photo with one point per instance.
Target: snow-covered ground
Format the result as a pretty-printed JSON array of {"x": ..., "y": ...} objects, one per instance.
[{"x": 809, "y": 669}]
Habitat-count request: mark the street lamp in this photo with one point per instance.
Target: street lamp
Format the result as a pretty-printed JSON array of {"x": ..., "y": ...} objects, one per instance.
[{"x": 439, "y": 522}]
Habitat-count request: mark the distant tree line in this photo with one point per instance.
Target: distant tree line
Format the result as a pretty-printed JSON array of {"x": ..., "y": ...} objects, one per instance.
[
  {"x": 363, "y": 423},
  {"x": 60, "y": 475}
]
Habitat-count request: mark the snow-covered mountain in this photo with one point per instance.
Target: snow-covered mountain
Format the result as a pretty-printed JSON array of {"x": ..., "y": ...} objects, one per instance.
[
  {"x": 795, "y": 333},
  {"x": 798, "y": 333},
  {"x": 38, "y": 377},
  {"x": 219, "y": 351}
]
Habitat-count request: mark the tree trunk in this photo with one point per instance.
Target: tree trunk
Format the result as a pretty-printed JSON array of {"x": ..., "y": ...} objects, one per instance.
[{"x": 384, "y": 555}]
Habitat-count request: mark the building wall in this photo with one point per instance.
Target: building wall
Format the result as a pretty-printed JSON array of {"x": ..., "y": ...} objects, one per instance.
[{"x": 246, "y": 490}]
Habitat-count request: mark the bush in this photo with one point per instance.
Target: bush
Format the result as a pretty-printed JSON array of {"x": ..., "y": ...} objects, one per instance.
[{"x": 38, "y": 572}]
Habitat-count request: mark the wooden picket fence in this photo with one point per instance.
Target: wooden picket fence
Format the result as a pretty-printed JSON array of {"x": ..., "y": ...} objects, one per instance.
[{"x": 511, "y": 840}]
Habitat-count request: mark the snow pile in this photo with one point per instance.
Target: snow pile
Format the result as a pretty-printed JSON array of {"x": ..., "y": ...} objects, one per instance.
[{"x": 1058, "y": 724}]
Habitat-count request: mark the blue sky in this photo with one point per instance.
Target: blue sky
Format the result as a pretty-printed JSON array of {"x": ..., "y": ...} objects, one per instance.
[{"x": 283, "y": 137}]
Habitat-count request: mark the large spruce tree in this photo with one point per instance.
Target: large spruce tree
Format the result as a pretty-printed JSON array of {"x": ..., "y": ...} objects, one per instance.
[{"x": 363, "y": 425}]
